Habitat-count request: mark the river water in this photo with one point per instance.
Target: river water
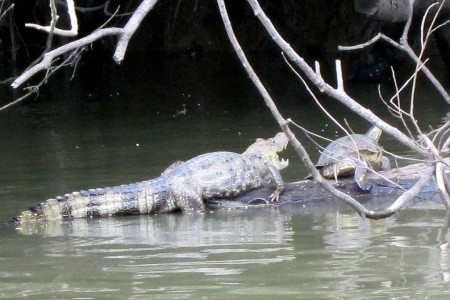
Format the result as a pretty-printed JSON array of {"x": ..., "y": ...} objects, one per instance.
[{"x": 129, "y": 124}]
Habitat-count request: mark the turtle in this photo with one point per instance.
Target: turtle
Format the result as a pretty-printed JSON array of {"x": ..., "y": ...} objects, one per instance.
[{"x": 353, "y": 155}]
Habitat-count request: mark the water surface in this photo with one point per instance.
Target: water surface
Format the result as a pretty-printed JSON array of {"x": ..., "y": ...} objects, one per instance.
[{"x": 80, "y": 135}]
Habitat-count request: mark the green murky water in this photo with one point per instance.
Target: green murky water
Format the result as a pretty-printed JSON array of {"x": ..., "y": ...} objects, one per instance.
[{"x": 79, "y": 136}]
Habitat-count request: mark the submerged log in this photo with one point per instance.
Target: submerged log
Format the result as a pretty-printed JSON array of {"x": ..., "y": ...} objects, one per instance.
[{"x": 383, "y": 191}]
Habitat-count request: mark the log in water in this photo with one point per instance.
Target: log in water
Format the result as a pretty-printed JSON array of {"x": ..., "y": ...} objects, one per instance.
[{"x": 383, "y": 191}]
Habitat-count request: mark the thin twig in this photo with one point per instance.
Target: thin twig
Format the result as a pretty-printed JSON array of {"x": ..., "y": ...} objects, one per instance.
[{"x": 6, "y": 11}]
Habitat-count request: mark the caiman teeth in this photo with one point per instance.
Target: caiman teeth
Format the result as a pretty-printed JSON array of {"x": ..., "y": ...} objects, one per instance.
[{"x": 283, "y": 163}]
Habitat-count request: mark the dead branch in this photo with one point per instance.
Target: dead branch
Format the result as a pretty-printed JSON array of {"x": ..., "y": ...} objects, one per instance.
[
  {"x": 52, "y": 29},
  {"x": 11, "y": 7},
  {"x": 406, "y": 196},
  {"x": 124, "y": 34},
  {"x": 49, "y": 57},
  {"x": 131, "y": 27}
]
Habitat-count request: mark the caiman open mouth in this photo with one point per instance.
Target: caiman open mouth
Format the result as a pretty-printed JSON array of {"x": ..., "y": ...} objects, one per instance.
[
  {"x": 280, "y": 164},
  {"x": 283, "y": 163}
]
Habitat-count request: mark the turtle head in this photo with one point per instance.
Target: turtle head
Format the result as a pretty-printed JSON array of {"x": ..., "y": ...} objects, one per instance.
[
  {"x": 270, "y": 148},
  {"x": 374, "y": 133}
]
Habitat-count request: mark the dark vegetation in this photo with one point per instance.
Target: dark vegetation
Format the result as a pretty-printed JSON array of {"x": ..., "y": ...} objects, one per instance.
[{"x": 193, "y": 28}]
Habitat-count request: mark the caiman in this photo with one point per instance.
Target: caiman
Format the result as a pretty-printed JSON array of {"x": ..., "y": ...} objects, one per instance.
[{"x": 183, "y": 186}]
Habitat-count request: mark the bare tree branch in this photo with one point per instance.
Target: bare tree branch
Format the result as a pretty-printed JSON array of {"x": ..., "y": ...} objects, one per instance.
[
  {"x": 6, "y": 11},
  {"x": 46, "y": 62},
  {"x": 124, "y": 33},
  {"x": 73, "y": 22},
  {"x": 406, "y": 196},
  {"x": 131, "y": 27}
]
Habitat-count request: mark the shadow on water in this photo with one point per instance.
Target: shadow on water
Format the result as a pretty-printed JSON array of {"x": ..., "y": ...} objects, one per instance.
[{"x": 130, "y": 124}]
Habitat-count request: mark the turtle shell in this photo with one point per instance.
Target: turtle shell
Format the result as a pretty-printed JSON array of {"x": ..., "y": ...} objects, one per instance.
[
  {"x": 351, "y": 155},
  {"x": 348, "y": 146}
]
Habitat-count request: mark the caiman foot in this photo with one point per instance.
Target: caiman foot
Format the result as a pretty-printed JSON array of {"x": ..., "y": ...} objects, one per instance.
[{"x": 277, "y": 193}]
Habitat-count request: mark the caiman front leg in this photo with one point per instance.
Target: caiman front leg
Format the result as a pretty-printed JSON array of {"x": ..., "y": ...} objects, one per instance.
[{"x": 275, "y": 196}]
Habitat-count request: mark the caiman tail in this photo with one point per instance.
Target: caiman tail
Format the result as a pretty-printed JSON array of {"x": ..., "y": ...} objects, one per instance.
[{"x": 136, "y": 198}]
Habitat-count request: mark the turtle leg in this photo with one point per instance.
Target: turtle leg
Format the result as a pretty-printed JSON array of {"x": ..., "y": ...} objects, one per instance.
[
  {"x": 360, "y": 175},
  {"x": 336, "y": 171}
]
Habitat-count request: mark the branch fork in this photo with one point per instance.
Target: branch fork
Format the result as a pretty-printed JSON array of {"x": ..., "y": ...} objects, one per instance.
[{"x": 52, "y": 27}]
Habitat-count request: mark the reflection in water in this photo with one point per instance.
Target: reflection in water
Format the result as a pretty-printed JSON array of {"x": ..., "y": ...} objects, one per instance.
[
  {"x": 236, "y": 253},
  {"x": 177, "y": 230},
  {"x": 154, "y": 254},
  {"x": 391, "y": 257},
  {"x": 443, "y": 239}
]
